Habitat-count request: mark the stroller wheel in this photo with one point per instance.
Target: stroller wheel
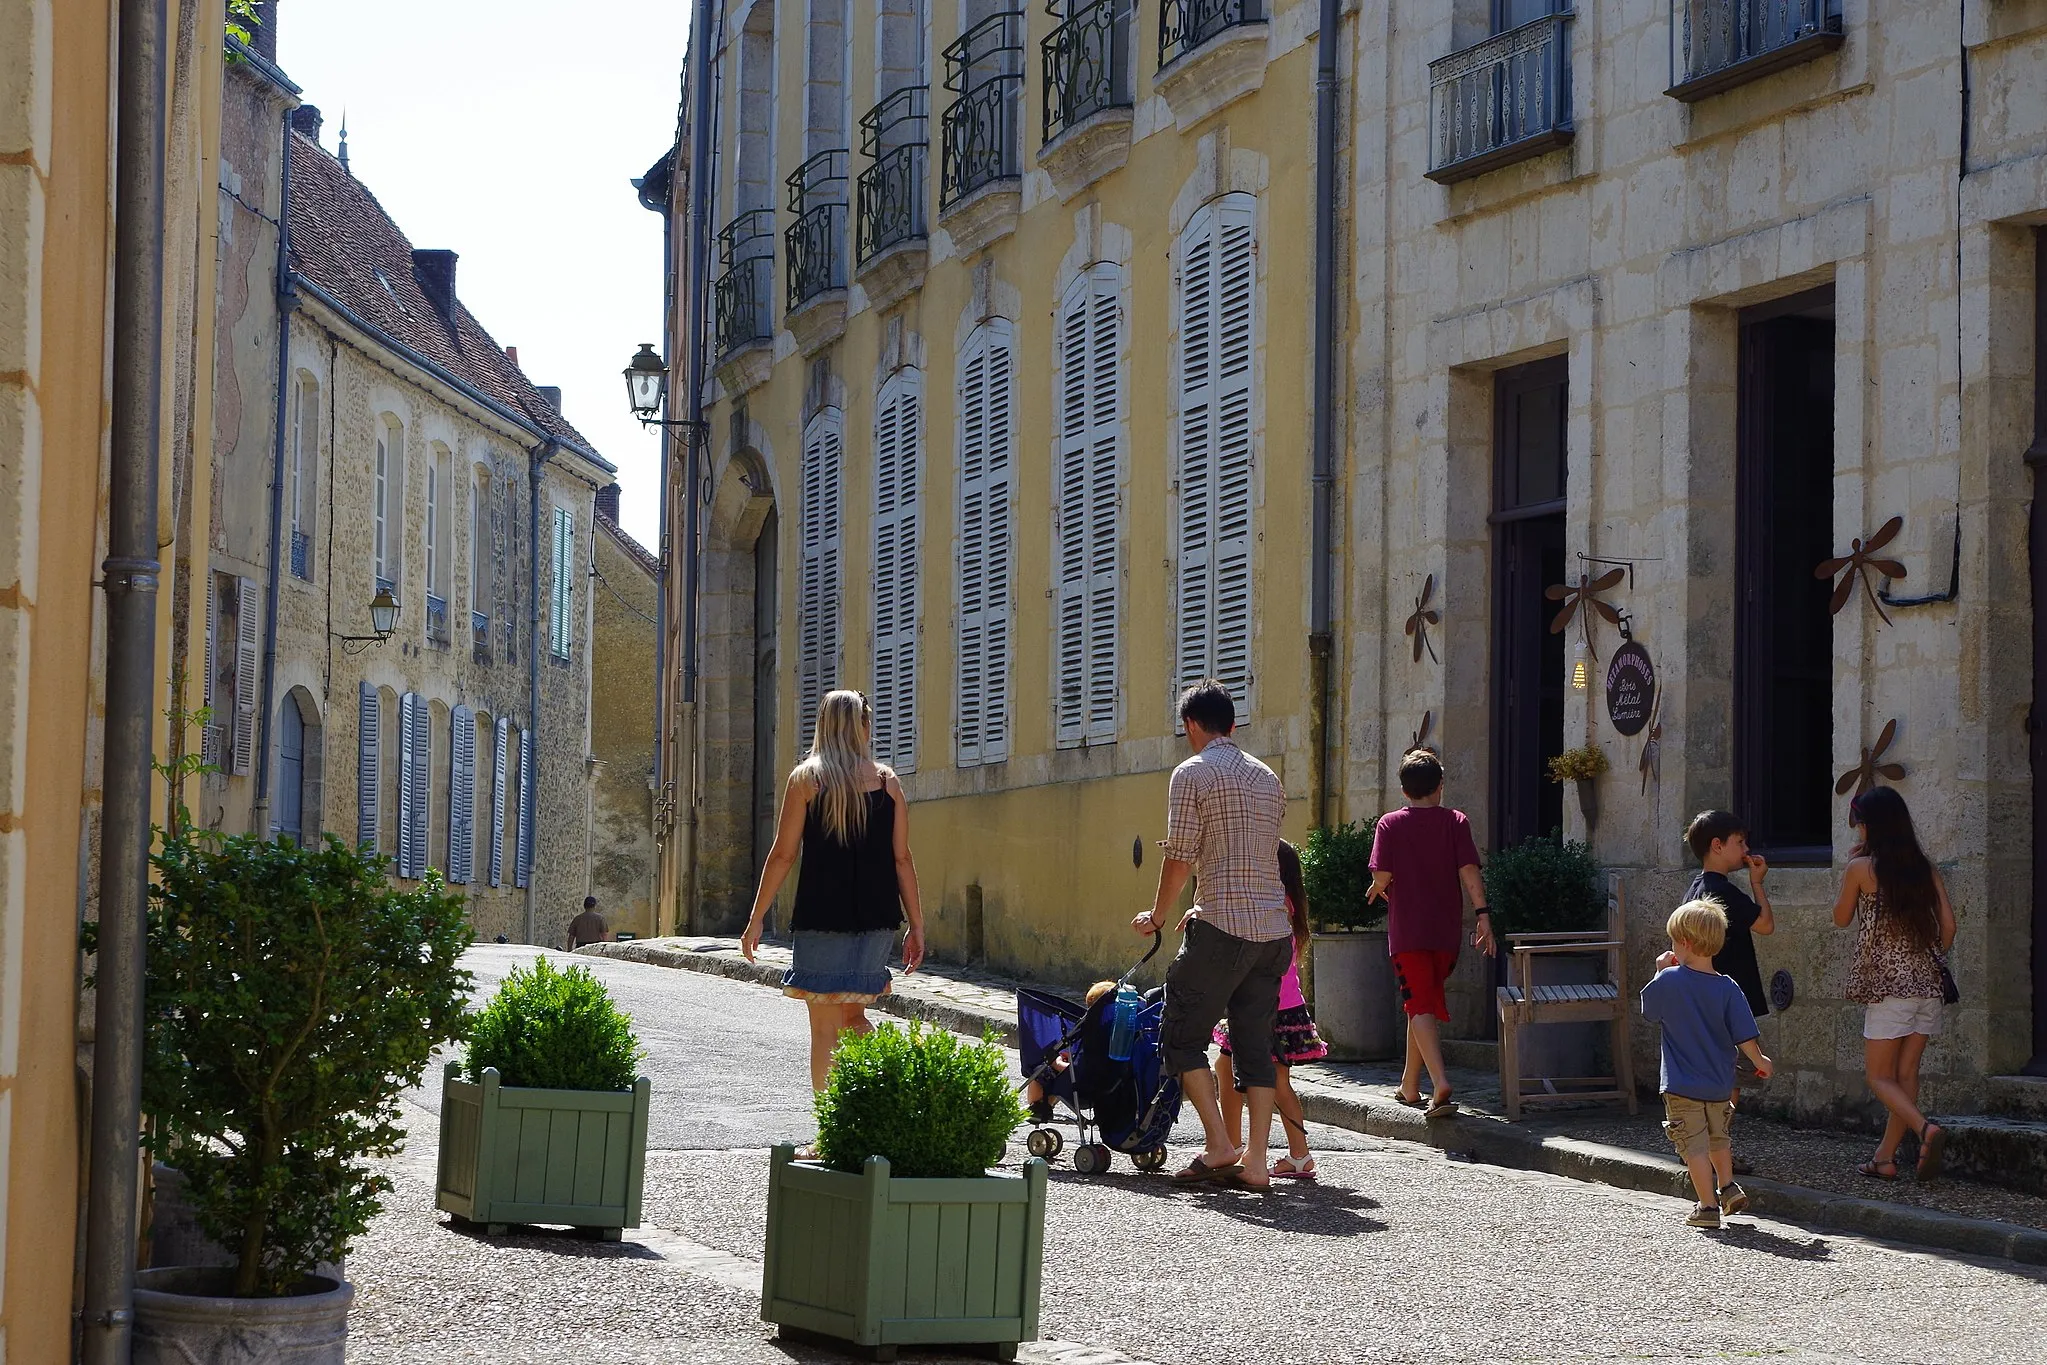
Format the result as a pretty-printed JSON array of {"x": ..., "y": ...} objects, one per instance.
[
  {"x": 1091, "y": 1158},
  {"x": 1153, "y": 1160},
  {"x": 1045, "y": 1142}
]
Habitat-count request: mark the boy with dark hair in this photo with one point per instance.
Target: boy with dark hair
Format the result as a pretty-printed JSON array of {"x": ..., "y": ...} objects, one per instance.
[
  {"x": 1425, "y": 862},
  {"x": 1719, "y": 840}
]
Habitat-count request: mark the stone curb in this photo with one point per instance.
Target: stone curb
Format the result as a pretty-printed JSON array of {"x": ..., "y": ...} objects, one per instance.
[{"x": 1482, "y": 1139}]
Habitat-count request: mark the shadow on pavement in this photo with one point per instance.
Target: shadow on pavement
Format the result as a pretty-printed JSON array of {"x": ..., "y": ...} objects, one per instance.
[
  {"x": 1749, "y": 1237},
  {"x": 571, "y": 1242},
  {"x": 1302, "y": 1206}
]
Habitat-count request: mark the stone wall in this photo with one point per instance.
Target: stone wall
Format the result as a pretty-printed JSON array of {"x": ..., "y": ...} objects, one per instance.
[{"x": 627, "y": 592}]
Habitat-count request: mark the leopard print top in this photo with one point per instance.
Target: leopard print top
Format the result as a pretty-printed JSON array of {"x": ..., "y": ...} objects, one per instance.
[{"x": 1888, "y": 960}]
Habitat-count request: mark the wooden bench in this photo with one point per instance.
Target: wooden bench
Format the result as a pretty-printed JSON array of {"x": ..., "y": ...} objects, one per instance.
[{"x": 1524, "y": 1004}]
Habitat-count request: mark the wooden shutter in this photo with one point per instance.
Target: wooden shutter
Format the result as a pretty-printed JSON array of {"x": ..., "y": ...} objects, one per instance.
[
  {"x": 986, "y": 440},
  {"x": 247, "y": 700},
  {"x": 1218, "y": 286},
  {"x": 461, "y": 796},
  {"x": 408, "y": 813},
  {"x": 497, "y": 801},
  {"x": 367, "y": 786},
  {"x": 898, "y": 461},
  {"x": 422, "y": 782},
  {"x": 1090, "y": 442},
  {"x": 523, "y": 867},
  {"x": 212, "y": 625},
  {"x": 564, "y": 573},
  {"x": 818, "y": 586}
]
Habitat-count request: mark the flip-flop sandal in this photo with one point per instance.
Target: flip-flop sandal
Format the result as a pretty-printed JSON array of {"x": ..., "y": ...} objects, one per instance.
[
  {"x": 1440, "y": 1107},
  {"x": 1198, "y": 1171},
  {"x": 1304, "y": 1169},
  {"x": 1416, "y": 1103},
  {"x": 1234, "y": 1180},
  {"x": 1875, "y": 1170},
  {"x": 1932, "y": 1150}
]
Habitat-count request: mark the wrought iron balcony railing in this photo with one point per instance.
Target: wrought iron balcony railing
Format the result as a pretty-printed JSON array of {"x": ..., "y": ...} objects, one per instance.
[
  {"x": 479, "y": 636},
  {"x": 384, "y": 584},
  {"x": 1504, "y": 100},
  {"x": 301, "y": 554},
  {"x": 1087, "y": 65},
  {"x": 816, "y": 240},
  {"x": 984, "y": 69},
  {"x": 1716, "y": 45},
  {"x": 895, "y": 134},
  {"x": 1186, "y": 24},
  {"x": 745, "y": 302}
]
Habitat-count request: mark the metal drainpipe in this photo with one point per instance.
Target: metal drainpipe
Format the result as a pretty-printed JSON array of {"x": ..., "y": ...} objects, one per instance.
[
  {"x": 130, "y": 570},
  {"x": 1320, "y": 643},
  {"x": 287, "y": 304},
  {"x": 694, "y": 442},
  {"x": 540, "y": 456}
]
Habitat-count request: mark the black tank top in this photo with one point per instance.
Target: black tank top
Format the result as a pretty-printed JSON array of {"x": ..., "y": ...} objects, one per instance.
[{"x": 849, "y": 889}]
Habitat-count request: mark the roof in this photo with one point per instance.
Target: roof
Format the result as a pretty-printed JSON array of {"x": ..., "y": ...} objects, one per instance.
[
  {"x": 635, "y": 551},
  {"x": 350, "y": 249}
]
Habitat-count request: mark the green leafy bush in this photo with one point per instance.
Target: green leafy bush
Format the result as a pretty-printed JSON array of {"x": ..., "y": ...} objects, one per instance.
[
  {"x": 292, "y": 994},
  {"x": 1336, "y": 869},
  {"x": 554, "y": 1030},
  {"x": 932, "y": 1103},
  {"x": 1544, "y": 885}
]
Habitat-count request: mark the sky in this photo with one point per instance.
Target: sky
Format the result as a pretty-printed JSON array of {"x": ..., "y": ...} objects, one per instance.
[{"x": 509, "y": 132}]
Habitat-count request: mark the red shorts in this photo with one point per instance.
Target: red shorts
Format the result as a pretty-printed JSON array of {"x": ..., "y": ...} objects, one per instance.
[{"x": 1421, "y": 976}]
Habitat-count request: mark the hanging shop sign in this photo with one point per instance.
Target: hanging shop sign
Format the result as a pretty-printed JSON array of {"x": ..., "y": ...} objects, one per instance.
[{"x": 1630, "y": 688}]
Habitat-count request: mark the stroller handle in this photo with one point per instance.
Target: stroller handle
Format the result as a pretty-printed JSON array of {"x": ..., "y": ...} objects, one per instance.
[{"x": 1157, "y": 939}]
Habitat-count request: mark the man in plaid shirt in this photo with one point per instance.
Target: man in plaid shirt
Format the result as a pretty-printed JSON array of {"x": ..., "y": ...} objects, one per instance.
[{"x": 1223, "y": 812}]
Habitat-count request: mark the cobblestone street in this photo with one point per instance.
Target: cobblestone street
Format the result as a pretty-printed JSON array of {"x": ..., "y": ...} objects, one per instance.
[{"x": 1401, "y": 1252}]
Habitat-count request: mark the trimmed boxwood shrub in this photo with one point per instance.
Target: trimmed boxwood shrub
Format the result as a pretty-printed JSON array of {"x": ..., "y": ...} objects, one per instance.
[
  {"x": 1545, "y": 884},
  {"x": 1336, "y": 870},
  {"x": 933, "y": 1103},
  {"x": 554, "y": 1030}
]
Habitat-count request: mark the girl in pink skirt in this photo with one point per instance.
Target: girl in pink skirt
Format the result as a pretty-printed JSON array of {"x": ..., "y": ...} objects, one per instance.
[{"x": 1294, "y": 1040}]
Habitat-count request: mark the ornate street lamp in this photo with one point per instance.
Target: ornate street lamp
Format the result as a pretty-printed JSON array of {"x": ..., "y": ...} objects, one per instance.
[
  {"x": 646, "y": 383},
  {"x": 383, "y": 623}
]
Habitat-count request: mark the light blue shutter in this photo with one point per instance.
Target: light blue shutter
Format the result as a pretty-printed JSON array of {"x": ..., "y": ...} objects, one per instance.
[
  {"x": 407, "y": 812},
  {"x": 986, "y": 404},
  {"x": 818, "y": 587},
  {"x": 366, "y": 784},
  {"x": 461, "y": 796},
  {"x": 497, "y": 801},
  {"x": 1088, "y": 558},
  {"x": 897, "y": 473},
  {"x": 523, "y": 872},
  {"x": 422, "y": 782},
  {"x": 564, "y": 575}
]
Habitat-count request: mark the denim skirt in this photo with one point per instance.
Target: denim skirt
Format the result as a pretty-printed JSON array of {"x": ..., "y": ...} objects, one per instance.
[{"x": 839, "y": 969}]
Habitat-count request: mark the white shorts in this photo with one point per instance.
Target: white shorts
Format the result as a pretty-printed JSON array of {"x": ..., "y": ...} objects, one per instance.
[{"x": 1896, "y": 1016}]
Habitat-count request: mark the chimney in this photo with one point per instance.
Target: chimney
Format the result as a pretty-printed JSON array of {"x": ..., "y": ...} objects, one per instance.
[
  {"x": 305, "y": 121},
  {"x": 512, "y": 354},
  {"x": 263, "y": 33},
  {"x": 435, "y": 272},
  {"x": 552, "y": 393},
  {"x": 607, "y": 500}
]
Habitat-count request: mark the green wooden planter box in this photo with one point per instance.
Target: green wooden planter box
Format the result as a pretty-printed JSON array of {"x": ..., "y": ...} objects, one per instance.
[
  {"x": 510, "y": 1154},
  {"x": 883, "y": 1263}
]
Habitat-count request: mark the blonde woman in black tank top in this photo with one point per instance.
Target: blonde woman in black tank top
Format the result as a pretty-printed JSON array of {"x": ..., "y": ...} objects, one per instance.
[{"x": 847, "y": 816}]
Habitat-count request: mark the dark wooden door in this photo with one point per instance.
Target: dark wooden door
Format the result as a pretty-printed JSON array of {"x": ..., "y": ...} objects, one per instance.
[
  {"x": 765, "y": 616},
  {"x": 1530, "y": 477},
  {"x": 291, "y": 769},
  {"x": 2036, "y": 722}
]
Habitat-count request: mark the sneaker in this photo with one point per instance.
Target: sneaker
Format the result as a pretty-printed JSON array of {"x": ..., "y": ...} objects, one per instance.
[
  {"x": 1733, "y": 1198},
  {"x": 1704, "y": 1216}
]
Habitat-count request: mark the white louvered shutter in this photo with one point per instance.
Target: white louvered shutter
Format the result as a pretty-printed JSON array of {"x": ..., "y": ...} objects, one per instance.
[
  {"x": 564, "y": 581},
  {"x": 407, "y": 812},
  {"x": 1090, "y": 438},
  {"x": 367, "y": 786},
  {"x": 819, "y": 586},
  {"x": 422, "y": 782},
  {"x": 461, "y": 796},
  {"x": 497, "y": 801},
  {"x": 523, "y": 865},
  {"x": 247, "y": 700},
  {"x": 986, "y": 404},
  {"x": 898, "y": 477},
  {"x": 212, "y": 625},
  {"x": 1218, "y": 285}
]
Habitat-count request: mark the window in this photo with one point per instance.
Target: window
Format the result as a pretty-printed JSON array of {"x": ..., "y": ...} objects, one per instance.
[
  {"x": 818, "y": 584},
  {"x": 415, "y": 748},
  {"x": 368, "y": 786},
  {"x": 1218, "y": 282},
  {"x": 564, "y": 582},
  {"x": 1089, "y": 505},
  {"x": 1531, "y": 475},
  {"x": 522, "y": 867},
  {"x": 500, "y": 772},
  {"x": 898, "y": 461},
  {"x": 480, "y": 576},
  {"x": 305, "y": 446},
  {"x": 233, "y": 629},
  {"x": 437, "y": 547},
  {"x": 461, "y": 859},
  {"x": 987, "y": 406},
  {"x": 388, "y": 503}
]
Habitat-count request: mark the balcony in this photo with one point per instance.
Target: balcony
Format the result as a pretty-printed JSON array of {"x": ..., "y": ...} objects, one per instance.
[
  {"x": 301, "y": 554},
  {"x": 816, "y": 242},
  {"x": 437, "y": 619},
  {"x": 1087, "y": 96},
  {"x": 980, "y": 173},
  {"x": 889, "y": 226},
  {"x": 479, "y": 637},
  {"x": 1716, "y": 45},
  {"x": 744, "y": 299},
  {"x": 1211, "y": 52},
  {"x": 1505, "y": 100}
]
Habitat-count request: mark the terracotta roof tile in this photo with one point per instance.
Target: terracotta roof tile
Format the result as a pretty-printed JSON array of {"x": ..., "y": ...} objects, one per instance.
[{"x": 638, "y": 552}]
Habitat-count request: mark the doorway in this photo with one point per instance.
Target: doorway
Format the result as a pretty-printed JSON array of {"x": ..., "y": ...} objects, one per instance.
[
  {"x": 765, "y": 550},
  {"x": 291, "y": 771},
  {"x": 1530, "y": 475}
]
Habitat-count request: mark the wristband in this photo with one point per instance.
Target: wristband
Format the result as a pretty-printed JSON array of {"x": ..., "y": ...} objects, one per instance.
[{"x": 1482, "y": 910}]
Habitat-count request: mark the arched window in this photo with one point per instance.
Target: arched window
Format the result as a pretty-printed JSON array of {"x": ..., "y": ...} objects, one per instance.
[
  {"x": 987, "y": 480},
  {"x": 898, "y": 493},
  {"x": 439, "y": 552},
  {"x": 818, "y": 583},
  {"x": 388, "y": 504},
  {"x": 1089, "y": 524},
  {"x": 304, "y": 478}
]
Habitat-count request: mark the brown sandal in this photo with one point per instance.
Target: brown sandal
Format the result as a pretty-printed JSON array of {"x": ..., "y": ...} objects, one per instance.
[
  {"x": 1875, "y": 1170},
  {"x": 1932, "y": 1149}
]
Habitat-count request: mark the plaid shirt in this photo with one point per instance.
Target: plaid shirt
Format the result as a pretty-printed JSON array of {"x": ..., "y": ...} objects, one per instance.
[{"x": 1223, "y": 810}]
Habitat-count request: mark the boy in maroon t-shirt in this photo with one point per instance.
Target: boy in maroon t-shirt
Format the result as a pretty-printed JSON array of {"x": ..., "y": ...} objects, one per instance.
[{"x": 1424, "y": 862}]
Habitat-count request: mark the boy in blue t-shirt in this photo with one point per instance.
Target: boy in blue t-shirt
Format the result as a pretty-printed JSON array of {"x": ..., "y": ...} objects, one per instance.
[{"x": 1706, "y": 1021}]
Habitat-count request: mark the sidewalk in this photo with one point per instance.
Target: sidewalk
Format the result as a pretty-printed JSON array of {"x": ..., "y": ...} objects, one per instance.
[{"x": 1801, "y": 1175}]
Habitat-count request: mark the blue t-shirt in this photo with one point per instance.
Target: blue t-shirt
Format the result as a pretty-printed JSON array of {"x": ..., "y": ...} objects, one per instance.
[{"x": 1705, "y": 1020}]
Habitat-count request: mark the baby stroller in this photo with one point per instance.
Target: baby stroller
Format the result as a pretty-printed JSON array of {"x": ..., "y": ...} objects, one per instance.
[{"x": 1124, "y": 1106}]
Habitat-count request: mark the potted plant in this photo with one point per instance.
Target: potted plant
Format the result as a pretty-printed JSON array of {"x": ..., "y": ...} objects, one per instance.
[
  {"x": 1547, "y": 884},
  {"x": 1582, "y": 765},
  {"x": 292, "y": 994},
  {"x": 545, "y": 1121},
  {"x": 1355, "y": 1001},
  {"x": 898, "y": 1232}
]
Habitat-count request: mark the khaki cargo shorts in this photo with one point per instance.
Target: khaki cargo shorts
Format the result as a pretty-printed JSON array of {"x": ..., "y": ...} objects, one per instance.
[{"x": 1697, "y": 1127}]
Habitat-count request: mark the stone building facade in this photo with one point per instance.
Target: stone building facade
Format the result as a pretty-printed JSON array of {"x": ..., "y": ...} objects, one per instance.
[
  {"x": 1712, "y": 296},
  {"x": 407, "y": 453},
  {"x": 627, "y": 588}
]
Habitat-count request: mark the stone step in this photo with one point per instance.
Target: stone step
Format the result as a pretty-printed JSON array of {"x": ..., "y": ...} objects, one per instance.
[
  {"x": 1476, "y": 1053},
  {"x": 1998, "y": 1150},
  {"x": 2018, "y": 1097}
]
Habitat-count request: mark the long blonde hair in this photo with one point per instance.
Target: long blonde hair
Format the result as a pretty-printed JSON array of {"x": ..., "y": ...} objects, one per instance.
[{"x": 838, "y": 762}]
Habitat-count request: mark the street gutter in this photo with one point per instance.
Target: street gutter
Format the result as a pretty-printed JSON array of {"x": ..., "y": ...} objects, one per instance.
[{"x": 1476, "y": 1138}]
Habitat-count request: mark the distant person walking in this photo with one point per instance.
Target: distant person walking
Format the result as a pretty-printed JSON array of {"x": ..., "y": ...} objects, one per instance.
[
  {"x": 848, "y": 817},
  {"x": 1424, "y": 862},
  {"x": 589, "y": 927},
  {"x": 1894, "y": 896},
  {"x": 1223, "y": 809}
]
